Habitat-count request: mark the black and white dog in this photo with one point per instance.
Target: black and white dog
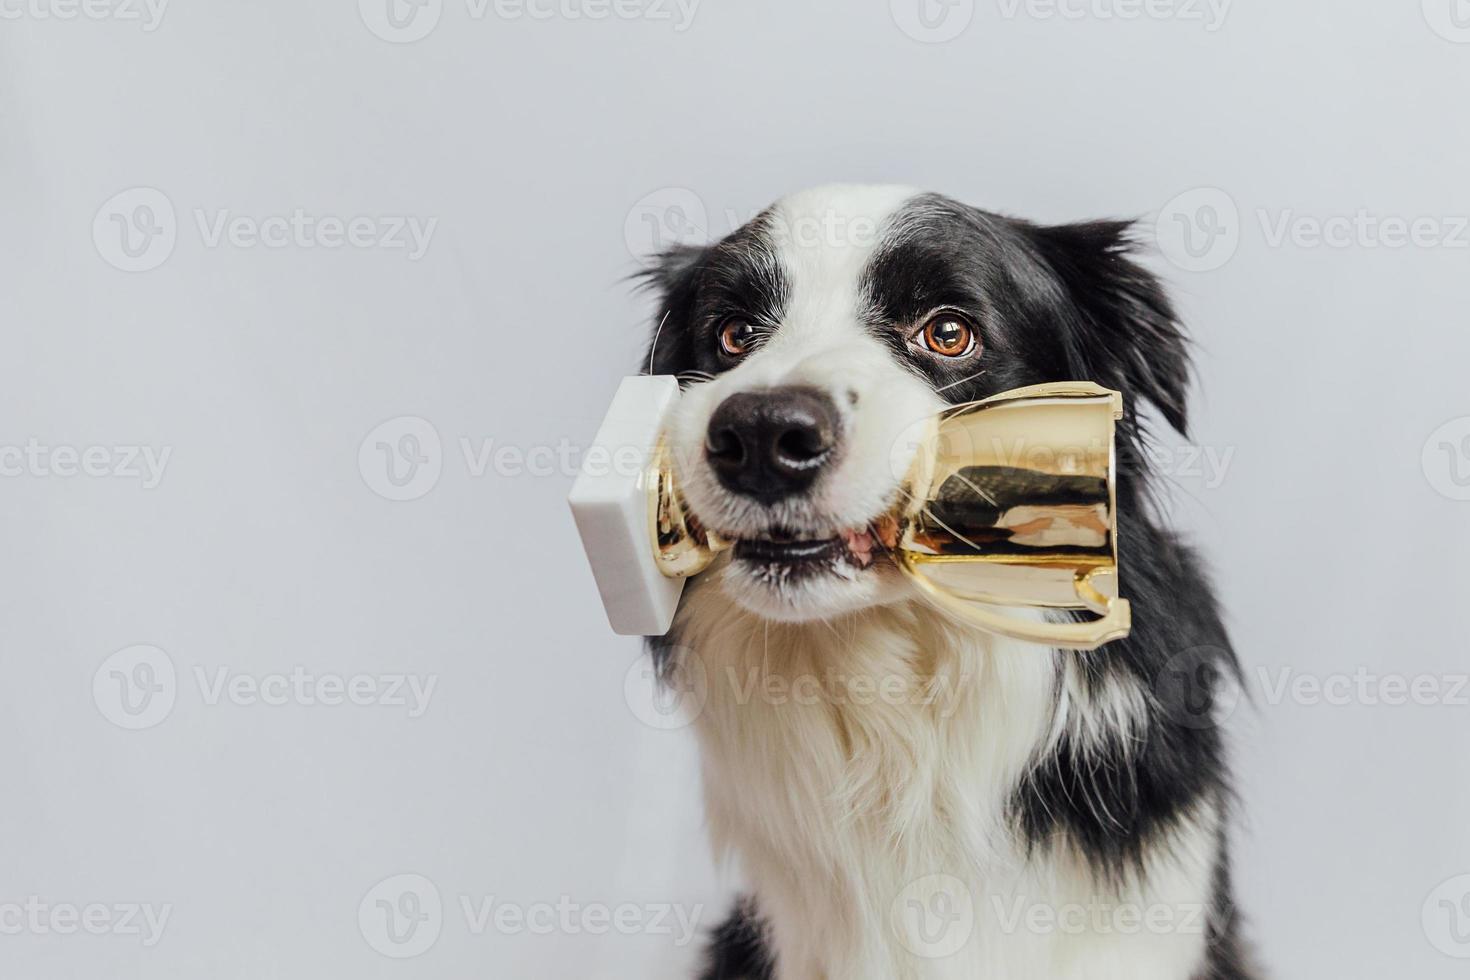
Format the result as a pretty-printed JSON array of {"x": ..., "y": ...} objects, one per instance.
[{"x": 942, "y": 803}]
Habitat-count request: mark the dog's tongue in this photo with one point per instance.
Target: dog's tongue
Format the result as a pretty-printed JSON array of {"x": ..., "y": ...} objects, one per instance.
[
  {"x": 860, "y": 543},
  {"x": 865, "y": 542}
]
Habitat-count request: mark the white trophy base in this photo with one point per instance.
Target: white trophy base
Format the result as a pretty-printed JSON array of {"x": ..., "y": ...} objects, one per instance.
[{"x": 610, "y": 503}]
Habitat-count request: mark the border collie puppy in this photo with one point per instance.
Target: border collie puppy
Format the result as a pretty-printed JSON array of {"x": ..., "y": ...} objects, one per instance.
[{"x": 909, "y": 797}]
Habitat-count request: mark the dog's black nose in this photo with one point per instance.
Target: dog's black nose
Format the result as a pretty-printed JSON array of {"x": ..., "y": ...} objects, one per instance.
[{"x": 772, "y": 444}]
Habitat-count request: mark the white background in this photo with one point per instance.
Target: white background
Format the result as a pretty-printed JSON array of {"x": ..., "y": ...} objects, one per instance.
[{"x": 541, "y": 146}]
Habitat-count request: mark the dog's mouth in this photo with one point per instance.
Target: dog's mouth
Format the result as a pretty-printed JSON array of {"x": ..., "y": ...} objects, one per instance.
[{"x": 788, "y": 552}]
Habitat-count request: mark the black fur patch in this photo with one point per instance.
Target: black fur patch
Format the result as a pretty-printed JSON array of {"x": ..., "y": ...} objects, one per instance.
[
  {"x": 737, "y": 948},
  {"x": 701, "y": 287},
  {"x": 1114, "y": 800}
]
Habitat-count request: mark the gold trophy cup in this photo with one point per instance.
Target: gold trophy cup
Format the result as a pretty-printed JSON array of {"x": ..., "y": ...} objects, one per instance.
[{"x": 1016, "y": 506}]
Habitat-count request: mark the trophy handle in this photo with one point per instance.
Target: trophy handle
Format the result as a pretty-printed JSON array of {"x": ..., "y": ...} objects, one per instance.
[{"x": 1115, "y": 622}]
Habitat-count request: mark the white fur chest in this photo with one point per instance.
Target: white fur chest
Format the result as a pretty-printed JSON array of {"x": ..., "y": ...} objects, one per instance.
[{"x": 861, "y": 769}]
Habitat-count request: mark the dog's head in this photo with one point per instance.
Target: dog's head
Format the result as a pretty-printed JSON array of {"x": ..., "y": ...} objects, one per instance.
[{"x": 810, "y": 341}]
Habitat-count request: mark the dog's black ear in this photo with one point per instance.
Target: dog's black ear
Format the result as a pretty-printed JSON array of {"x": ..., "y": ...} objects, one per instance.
[
  {"x": 1123, "y": 332},
  {"x": 673, "y": 276}
]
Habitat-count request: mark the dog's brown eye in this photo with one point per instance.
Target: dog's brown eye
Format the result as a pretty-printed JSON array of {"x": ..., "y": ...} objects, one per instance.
[
  {"x": 949, "y": 335},
  {"x": 737, "y": 337}
]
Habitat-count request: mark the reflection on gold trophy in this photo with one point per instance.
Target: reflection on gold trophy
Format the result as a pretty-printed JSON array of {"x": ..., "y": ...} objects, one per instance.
[{"x": 1011, "y": 504}]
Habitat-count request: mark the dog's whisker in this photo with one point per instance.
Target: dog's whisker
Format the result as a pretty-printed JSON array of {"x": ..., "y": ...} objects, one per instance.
[
  {"x": 653, "y": 348},
  {"x": 935, "y": 518},
  {"x": 956, "y": 384}
]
